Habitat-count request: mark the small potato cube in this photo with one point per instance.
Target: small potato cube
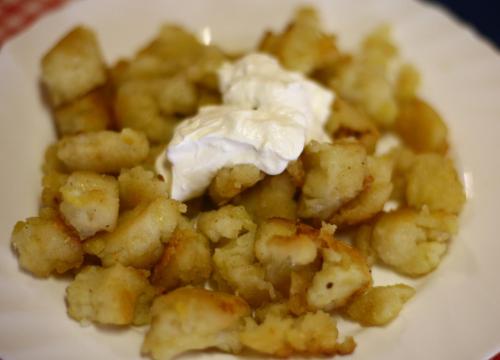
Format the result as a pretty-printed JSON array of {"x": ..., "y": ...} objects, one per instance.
[
  {"x": 90, "y": 203},
  {"x": 194, "y": 319},
  {"x": 421, "y": 127},
  {"x": 45, "y": 246},
  {"x": 178, "y": 96},
  {"x": 103, "y": 151},
  {"x": 379, "y": 305},
  {"x": 271, "y": 197},
  {"x": 85, "y": 114},
  {"x": 74, "y": 66},
  {"x": 227, "y": 222},
  {"x": 186, "y": 259},
  {"x": 230, "y": 181},
  {"x": 139, "y": 236},
  {"x": 433, "y": 182},
  {"x": 343, "y": 276},
  {"x": 138, "y": 185},
  {"x": 109, "y": 295},
  {"x": 335, "y": 174}
]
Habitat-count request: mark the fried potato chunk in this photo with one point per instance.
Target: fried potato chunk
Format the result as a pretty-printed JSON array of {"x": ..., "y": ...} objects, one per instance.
[
  {"x": 90, "y": 203},
  {"x": 407, "y": 82},
  {"x": 194, "y": 319},
  {"x": 139, "y": 236},
  {"x": 46, "y": 246},
  {"x": 433, "y": 181},
  {"x": 103, "y": 151},
  {"x": 372, "y": 199},
  {"x": 343, "y": 276},
  {"x": 335, "y": 174},
  {"x": 421, "y": 127},
  {"x": 227, "y": 222},
  {"x": 281, "y": 246},
  {"x": 271, "y": 197},
  {"x": 403, "y": 159},
  {"x": 310, "y": 334},
  {"x": 379, "y": 305},
  {"x": 74, "y": 66},
  {"x": 363, "y": 243},
  {"x": 178, "y": 96},
  {"x": 230, "y": 181},
  {"x": 111, "y": 295},
  {"x": 186, "y": 259},
  {"x": 302, "y": 46},
  {"x": 347, "y": 121},
  {"x": 138, "y": 185},
  {"x": 235, "y": 265},
  {"x": 51, "y": 183},
  {"x": 413, "y": 243},
  {"x": 86, "y": 114}
]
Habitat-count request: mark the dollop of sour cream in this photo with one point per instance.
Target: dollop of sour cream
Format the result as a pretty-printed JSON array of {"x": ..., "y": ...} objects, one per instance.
[{"x": 267, "y": 117}]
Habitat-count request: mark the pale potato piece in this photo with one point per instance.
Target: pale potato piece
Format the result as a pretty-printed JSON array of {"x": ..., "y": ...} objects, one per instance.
[
  {"x": 230, "y": 181},
  {"x": 335, "y": 174},
  {"x": 186, "y": 259},
  {"x": 347, "y": 121},
  {"x": 90, "y": 203},
  {"x": 403, "y": 159},
  {"x": 103, "y": 151},
  {"x": 413, "y": 243},
  {"x": 271, "y": 197},
  {"x": 227, "y": 222},
  {"x": 85, "y": 114},
  {"x": 421, "y": 127},
  {"x": 139, "y": 237},
  {"x": 310, "y": 334},
  {"x": 138, "y": 185},
  {"x": 46, "y": 246},
  {"x": 407, "y": 82},
  {"x": 343, "y": 276},
  {"x": 372, "y": 199},
  {"x": 432, "y": 181},
  {"x": 194, "y": 319},
  {"x": 178, "y": 96},
  {"x": 379, "y": 305},
  {"x": 136, "y": 107},
  {"x": 73, "y": 66},
  {"x": 109, "y": 296}
]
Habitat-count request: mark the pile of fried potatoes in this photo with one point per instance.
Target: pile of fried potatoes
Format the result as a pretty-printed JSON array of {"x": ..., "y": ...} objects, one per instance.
[{"x": 256, "y": 263}]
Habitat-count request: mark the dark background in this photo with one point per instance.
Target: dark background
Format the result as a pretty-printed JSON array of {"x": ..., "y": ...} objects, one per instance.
[{"x": 483, "y": 15}]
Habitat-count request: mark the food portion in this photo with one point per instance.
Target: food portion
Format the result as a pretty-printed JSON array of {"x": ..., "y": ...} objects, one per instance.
[{"x": 240, "y": 202}]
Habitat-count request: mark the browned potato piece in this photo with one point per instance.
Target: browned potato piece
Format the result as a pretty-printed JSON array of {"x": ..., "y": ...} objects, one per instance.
[
  {"x": 372, "y": 199},
  {"x": 46, "y": 246},
  {"x": 185, "y": 260},
  {"x": 139, "y": 236},
  {"x": 51, "y": 162},
  {"x": 310, "y": 334},
  {"x": 413, "y": 243},
  {"x": 379, "y": 305},
  {"x": 302, "y": 46},
  {"x": 343, "y": 276},
  {"x": 136, "y": 107},
  {"x": 433, "y": 182},
  {"x": 421, "y": 127},
  {"x": 194, "y": 319},
  {"x": 296, "y": 170},
  {"x": 407, "y": 82},
  {"x": 51, "y": 183},
  {"x": 230, "y": 181},
  {"x": 103, "y": 151},
  {"x": 90, "y": 203},
  {"x": 335, "y": 174},
  {"x": 178, "y": 95},
  {"x": 85, "y": 114},
  {"x": 138, "y": 185},
  {"x": 111, "y": 295},
  {"x": 403, "y": 159},
  {"x": 363, "y": 243},
  {"x": 74, "y": 66},
  {"x": 227, "y": 222},
  {"x": 271, "y": 197},
  {"x": 347, "y": 121}
]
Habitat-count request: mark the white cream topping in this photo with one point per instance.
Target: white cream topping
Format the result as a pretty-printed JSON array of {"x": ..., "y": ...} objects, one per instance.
[{"x": 267, "y": 117}]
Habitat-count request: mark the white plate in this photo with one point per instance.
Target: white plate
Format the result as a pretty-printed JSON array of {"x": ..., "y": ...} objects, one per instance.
[{"x": 456, "y": 313}]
